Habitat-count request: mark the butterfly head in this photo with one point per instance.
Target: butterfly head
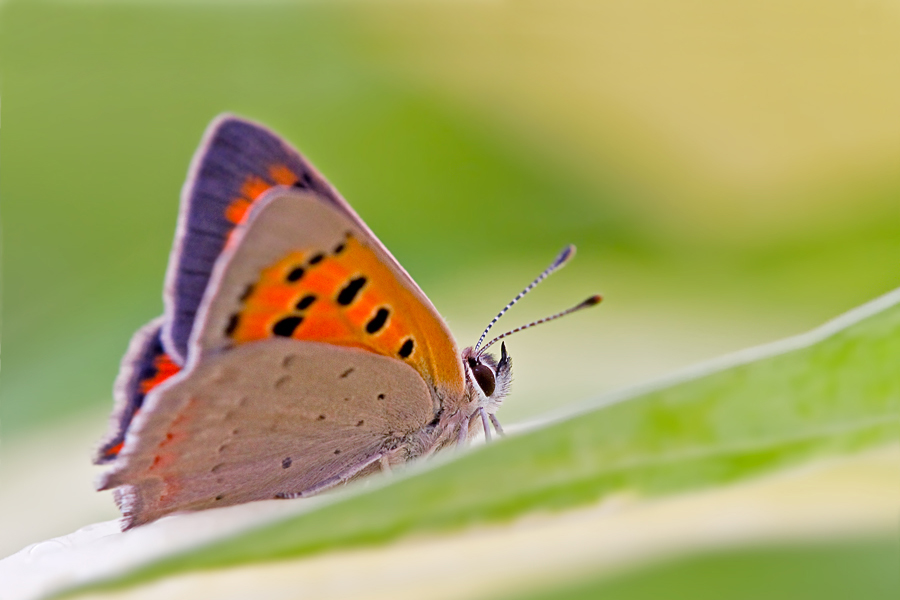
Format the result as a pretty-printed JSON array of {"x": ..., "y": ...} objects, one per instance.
[{"x": 487, "y": 377}]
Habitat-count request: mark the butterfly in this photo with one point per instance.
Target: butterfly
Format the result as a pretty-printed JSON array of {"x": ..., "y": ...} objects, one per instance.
[{"x": 294, "y": 353}]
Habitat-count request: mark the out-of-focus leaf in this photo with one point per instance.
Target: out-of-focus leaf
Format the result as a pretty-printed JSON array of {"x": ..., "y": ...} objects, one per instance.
[
  {"x": 832, "y": 571},
  {"x": 831, "y": 392}
]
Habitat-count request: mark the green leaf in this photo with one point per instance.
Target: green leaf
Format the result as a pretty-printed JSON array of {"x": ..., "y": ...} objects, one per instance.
[{"x": 831, "y": 392}]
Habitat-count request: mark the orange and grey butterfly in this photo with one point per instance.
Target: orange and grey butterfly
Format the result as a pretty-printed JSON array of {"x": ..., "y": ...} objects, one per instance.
[
  {"x": 329, "y": 395},
  {"x": 309, "y": 357}
]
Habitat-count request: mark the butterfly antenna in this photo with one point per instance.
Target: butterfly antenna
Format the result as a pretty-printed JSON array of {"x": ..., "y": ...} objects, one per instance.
[
  {"x": 592, "y": 301},
  {"x": 564, "y": 256}
]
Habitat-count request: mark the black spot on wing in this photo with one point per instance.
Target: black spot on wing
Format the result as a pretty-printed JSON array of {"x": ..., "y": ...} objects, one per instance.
[
  {"x": 296, "y": 274},
  {"x": 349, "y": 292},
  {"x": 232, "y": 324},
  {"x": 286, "y": 326},
  {"x": 306, "y": 301},
  {"x": 286, "y": 462},
  {"x": 406, "y": 349},
  {"x": 377, "y": 322}
]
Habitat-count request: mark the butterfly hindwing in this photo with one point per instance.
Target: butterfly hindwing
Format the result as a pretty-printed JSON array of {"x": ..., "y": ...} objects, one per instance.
[
  {"x": 144, "y": 366},
  {"x": 263, "y": 420},
  {"x": 237, "y": 162}
]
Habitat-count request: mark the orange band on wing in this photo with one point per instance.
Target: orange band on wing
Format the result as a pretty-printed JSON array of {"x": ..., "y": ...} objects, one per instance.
[
  {"x": 165, "y": 368},
  {"x": 254, "y": 187},
  {"x": 282, "y": 175},
  {"x": 347, "y": 297}
]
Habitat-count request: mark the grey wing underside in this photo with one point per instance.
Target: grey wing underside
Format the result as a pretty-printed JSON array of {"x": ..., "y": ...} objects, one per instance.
[{"x": 275, "y": 418}]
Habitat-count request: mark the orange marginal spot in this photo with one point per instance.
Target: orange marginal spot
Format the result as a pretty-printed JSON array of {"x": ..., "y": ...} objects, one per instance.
[
  {"x": 237, "y": 210},
  {"x": 254, "y": 187},
  {"x": 114, "y": 451},
  {"x": 165, "y": 368},
  {"x": 281, "y": 175}
]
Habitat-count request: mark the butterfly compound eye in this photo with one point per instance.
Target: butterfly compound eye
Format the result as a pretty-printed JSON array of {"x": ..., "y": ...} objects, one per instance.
[{"x": 484, "y": 376}]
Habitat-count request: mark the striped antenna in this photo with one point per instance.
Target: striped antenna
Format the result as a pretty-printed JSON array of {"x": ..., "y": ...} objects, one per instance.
[
  {"x": 564, "y": 256},
  {"x": 592, "y": 301}
]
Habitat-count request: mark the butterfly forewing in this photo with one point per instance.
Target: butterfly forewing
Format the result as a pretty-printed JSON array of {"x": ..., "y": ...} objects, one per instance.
[{"x": 300, "y": 268}]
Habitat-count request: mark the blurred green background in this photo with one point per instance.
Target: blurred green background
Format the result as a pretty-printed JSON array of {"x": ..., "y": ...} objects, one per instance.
[
  {"x": 728, "y": 171},
  {"x": 728, "y": 174}
]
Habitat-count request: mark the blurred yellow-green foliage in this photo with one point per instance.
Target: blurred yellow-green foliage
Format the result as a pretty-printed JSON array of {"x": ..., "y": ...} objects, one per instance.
[{"x": 728, "y": 170}]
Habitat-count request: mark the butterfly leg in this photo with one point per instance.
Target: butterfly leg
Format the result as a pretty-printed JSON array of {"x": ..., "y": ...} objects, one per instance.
[
  {"x": 385, "y": 464},
  {"x": 334, "y": 480},
  {"x": 485, "y": 425},
  {"x": 496, "y": 425},
  {"x": 463, "y": 433}
]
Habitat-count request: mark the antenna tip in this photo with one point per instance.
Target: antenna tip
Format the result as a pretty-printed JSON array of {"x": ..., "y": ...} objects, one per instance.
[
  {"x": 565, "y": 255},
  {"x": 595, "y": 299}
]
